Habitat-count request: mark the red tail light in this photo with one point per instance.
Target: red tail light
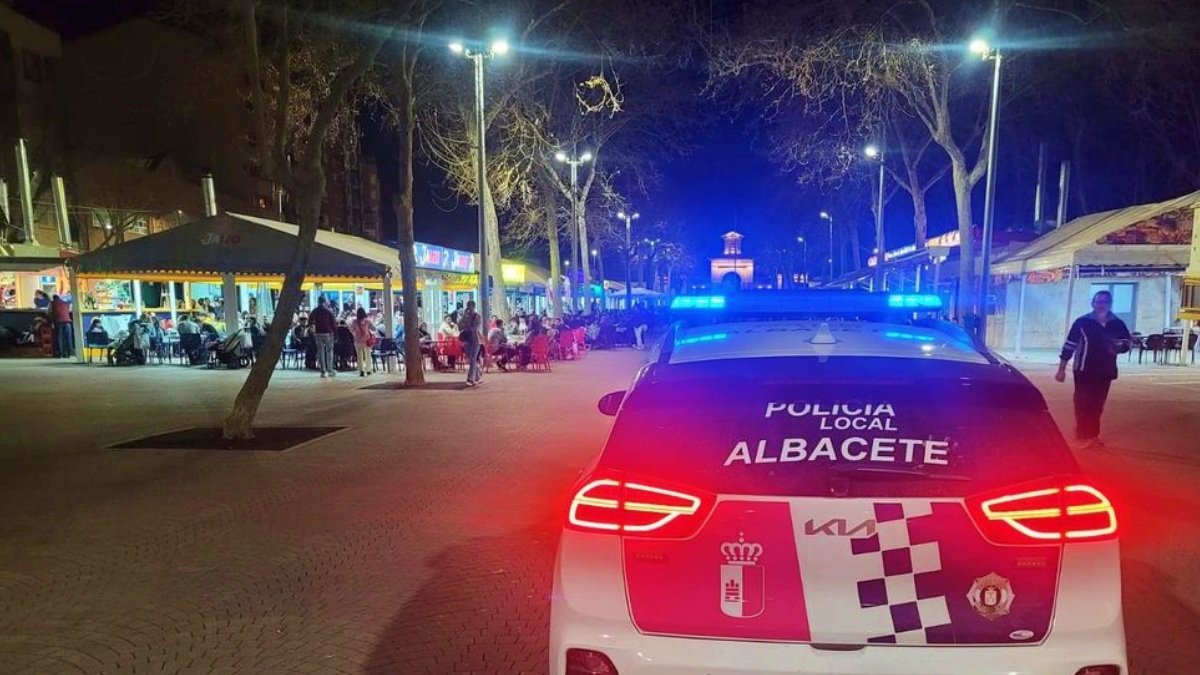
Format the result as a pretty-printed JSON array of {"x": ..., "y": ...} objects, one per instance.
[
  {"x": 629, "y": 506},
  {"x": 588, "y": 662},
  {"x": 1039, "y": 514}
]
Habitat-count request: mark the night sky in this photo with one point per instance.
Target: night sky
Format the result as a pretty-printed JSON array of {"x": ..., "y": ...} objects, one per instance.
[{"x": 727, "y": 181}]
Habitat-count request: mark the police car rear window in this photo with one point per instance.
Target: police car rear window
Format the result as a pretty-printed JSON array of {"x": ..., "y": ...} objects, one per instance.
[{"x": 847, "y": 427}]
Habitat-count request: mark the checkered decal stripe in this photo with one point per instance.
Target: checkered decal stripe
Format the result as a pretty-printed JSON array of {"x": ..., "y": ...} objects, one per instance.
[{"x": 911, "y": 586}]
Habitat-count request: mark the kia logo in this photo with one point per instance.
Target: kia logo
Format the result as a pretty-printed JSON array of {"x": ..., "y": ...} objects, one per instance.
[{"x": 840, "y": 527}]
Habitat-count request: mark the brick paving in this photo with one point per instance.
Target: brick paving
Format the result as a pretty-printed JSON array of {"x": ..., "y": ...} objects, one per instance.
[{"x": 419, "y": 540}]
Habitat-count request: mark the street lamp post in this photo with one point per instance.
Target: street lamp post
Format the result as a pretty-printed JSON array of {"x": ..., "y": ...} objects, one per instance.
[
  {"x": 875, "y": 154},
  {"x": 578, "y": 230},
  {"x": 628, "y": 218},
  {"x": 825, "y": 215},
  {"x": 804, "y": 257},
  {"x": 477, "y": 57},
  {"x": 653, "y": 244},
  {"x": 988, "y": 53}
]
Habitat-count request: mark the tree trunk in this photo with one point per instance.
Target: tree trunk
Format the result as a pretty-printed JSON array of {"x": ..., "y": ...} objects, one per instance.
[
  {"x": 550, "y": 212},
  {"x": 585, "y": 254},
  {"x": 966, "y": 248},
  {"x": 920, "y": 213},
  {"x": 491, "y": 225},
  {"x": 414, "y": 361},
  {"x": 310, "y": 186}
]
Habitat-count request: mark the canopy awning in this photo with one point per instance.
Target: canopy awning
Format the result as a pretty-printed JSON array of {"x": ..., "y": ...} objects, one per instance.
[
  {"x": 1089, "y": 241},
  {"x": 241, "y": 245}
]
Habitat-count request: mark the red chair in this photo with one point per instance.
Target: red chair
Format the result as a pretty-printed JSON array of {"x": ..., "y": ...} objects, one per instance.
[
  {"x": 581, "y": 341},
  {"x": 566, "y": 344},
  {"x": 539, "y": 352},
  {"x": 452, "y": 347}
]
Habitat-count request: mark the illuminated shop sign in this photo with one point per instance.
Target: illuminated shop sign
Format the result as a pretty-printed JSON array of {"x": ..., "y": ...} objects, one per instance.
[{"x": 445, "y": 259}]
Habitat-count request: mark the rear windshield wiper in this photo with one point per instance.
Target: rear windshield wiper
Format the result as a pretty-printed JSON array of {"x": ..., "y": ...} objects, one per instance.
[{"x": 885, "y": 473}]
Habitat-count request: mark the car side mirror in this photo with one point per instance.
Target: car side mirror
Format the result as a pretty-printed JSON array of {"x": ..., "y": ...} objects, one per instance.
[{"x": 610, "y": 403}]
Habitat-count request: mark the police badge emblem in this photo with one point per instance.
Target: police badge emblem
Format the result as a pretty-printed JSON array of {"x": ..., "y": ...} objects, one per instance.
[{"x": 991, "y": 596}]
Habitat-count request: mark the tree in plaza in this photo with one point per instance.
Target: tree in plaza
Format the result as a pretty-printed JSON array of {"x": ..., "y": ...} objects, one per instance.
[
  {"x": 408, "y": 83},
  {"x": 858, "y": 71},
  {"x": 301, "y": 66}
]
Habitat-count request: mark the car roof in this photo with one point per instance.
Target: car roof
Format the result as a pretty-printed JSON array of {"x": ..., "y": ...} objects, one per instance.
[{"x": 816, "y": 338}]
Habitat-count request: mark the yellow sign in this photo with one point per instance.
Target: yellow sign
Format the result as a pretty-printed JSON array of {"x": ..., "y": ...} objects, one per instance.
[{"x": 512, "y": 273}]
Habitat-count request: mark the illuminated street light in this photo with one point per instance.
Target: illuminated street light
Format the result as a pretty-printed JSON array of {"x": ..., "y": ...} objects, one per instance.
[
  {"x": 498, "y": 48},
  {"x": 874, "y": 154},
  {"x": 825, "y": 216},
  {"x": 578, "y": 229},
  {"x": 981, "y": 48},
  {"x": 628, "y": 218}
]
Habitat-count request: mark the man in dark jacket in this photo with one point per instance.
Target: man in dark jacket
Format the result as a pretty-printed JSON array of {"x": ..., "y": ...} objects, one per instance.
[
  {"x": 324, "y": 326},
  {"x": 1094, "y": 341},
  {"x": 64, "y": 332}
]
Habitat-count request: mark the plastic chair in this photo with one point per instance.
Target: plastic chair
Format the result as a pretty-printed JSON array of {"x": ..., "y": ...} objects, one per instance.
[
  {"x": 566, "y": 345},
  {"x": 94, "y": 341},
  {"x": 1154, "y": 344},
  {"x": 453, "y": 347},
  {"x": 581, "y": 345},
  {"x": 539, "y": 352}
]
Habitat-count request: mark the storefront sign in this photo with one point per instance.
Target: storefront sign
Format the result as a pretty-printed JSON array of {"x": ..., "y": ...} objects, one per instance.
[
  {"x": 512, "y": 273},
  {"x": 444, "y": 259}
]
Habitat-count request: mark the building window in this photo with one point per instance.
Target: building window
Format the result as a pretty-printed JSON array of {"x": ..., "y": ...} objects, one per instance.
[{"x": 1124, "y": 301}]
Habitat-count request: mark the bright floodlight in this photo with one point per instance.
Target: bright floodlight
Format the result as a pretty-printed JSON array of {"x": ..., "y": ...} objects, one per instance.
[
  {"x": 500, "y": 47},
  {"x": 585, "y": 157},
  {"x": 980, "y": 46},
  {"x": 457, "y": 47},
  {"x": 825, "y": 215},
  {"x": 871, "y": 151},
  {"x": 560, "y": 156},
  {"x": 595, "y": 252},
  {"x": 800, "y": 240}
]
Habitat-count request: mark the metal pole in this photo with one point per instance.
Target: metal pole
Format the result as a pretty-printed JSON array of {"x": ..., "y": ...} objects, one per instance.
[
  {"x": 831, "y": 277},
  {"x": 576, "y": 243},
  {"x": 1039, "y": 197},
  {"x": 1064, "y": 188},
  {"x": 628, "y": 262},
  {"x": 26, "y": 193},
  {"x": 60, "y": 211},
  {"x": 1020, "y": 341},
  {"x": 1070, "y": 297},
  {"x": 989, "y": 203},
  {"x": 210, "y": 195},
  {"x": 879, "y": 240},
  {"x": 481, "y": 180},
  {"x": 76, "y": 313}
]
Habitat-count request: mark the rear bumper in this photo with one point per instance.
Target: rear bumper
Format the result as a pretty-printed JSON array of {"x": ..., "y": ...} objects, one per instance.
[{"x": 589, "y": 611}]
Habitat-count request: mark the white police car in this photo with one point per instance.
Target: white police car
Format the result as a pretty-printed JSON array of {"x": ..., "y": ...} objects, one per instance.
[{"x": 847, "y": 490}]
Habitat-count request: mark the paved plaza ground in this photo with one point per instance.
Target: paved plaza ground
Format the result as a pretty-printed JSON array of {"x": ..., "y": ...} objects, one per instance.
[{"x": 421, "y": 538}]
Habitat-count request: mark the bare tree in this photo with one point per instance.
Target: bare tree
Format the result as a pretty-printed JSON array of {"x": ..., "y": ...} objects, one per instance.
[{"x": 291, "y": 126}]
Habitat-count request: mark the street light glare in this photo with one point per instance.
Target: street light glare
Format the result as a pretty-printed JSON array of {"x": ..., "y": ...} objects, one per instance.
[
  {"x": 560, "y": 156},
  {"x": 621, "y": 215},
  {"x": 871, "y": 151},
  {"x": 800, "y": 240},
  {"x": 980, "y": 46},
  {"x": 585, "y": 157},
  {"x": 457, "y": 47},
  {"x": 636, "y": 216},
  {"x": 500, "y": 47},
  {"x": 825, "y": 215}
]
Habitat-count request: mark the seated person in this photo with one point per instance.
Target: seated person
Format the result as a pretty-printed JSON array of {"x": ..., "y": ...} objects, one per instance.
[
  {"x": 343, "y": 346},
  {"x": 525, "y": 349},
  {"x": 186, "y": 326},
  {"x": 498, "y": 347}
]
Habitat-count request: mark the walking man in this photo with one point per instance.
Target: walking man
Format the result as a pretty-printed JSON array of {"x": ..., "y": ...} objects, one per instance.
[
  {"x": 324, "y": 325},
  {"x": 1094, "y": 340},
  {"x": 470, "y": 331}
]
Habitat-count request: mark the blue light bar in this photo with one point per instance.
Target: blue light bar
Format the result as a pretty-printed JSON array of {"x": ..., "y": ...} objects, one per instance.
[
  {"x": 701, "y": 338},
  {"x": 698, "y": 302},
  {"x": 914, "y": 301}
]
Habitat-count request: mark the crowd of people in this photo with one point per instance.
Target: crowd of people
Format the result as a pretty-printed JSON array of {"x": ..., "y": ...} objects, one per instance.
[{"x": 334, "y": 339}]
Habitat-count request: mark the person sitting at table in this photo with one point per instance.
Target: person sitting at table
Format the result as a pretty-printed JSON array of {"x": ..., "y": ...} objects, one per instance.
[
  {"x": 498, "y": 347},
  {"x": 154, "y": 333},
  {"x": 96, "y": 335},
  {"x": 208, "y": 333},
  {"x": 448, "y": 329},
  {"x": 343, "y": 346},
  {"x": 186, "y": 326},
  {"x": 525, "y": 349}
]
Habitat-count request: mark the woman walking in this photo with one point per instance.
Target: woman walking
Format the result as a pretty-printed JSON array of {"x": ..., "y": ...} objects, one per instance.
[{"x": 363, "y": 332}]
